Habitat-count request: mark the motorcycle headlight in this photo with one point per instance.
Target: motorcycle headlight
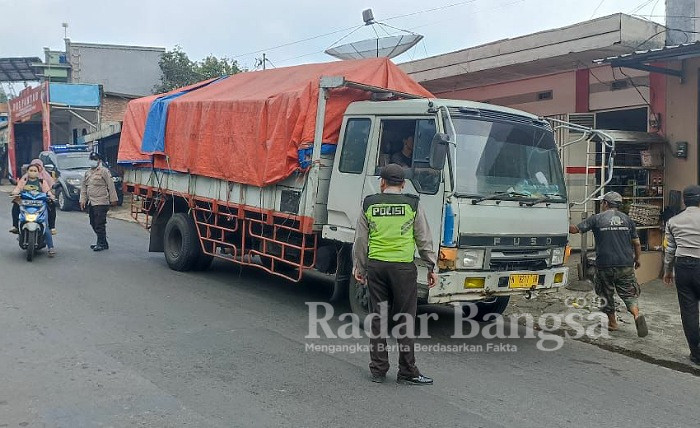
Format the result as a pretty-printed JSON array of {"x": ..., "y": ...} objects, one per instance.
[
  {"x": 31, "y": 217},
  {"x": 558, "y": 255},
  {"x": 73, "y": 181},
  {"x": 470, "y": 259}
]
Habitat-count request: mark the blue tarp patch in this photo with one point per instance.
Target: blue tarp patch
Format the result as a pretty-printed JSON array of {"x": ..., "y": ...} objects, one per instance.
[
  {"x": 305, "y": 154},
  {"x": 74, "y": 94},
  {"x": 154, "y": 133}
]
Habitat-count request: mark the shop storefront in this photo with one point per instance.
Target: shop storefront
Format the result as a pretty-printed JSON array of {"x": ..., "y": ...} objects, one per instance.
[{"x": 51, "y": 113}]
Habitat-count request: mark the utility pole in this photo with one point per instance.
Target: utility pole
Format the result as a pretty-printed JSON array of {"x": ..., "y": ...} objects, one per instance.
[{"x": 264, "y": 60}]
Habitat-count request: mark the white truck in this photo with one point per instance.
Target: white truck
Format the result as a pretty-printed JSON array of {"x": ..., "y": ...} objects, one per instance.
[{"x": 489, "y": 179}]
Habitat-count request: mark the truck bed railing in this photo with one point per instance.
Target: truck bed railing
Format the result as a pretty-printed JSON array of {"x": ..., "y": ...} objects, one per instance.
[
  {"x": 238, "y": 234},
  {"x": 145, "y": 205}
]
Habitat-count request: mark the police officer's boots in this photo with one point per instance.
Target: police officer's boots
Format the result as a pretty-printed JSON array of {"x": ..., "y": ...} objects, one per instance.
[{"x": 101, "y": 243}]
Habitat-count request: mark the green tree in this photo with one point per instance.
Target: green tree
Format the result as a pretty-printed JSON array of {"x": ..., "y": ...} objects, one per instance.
[
  {"x": 179, "y": 70},
  {"x": 211, "y": 67},
  {"x": 3, "y": 96}
]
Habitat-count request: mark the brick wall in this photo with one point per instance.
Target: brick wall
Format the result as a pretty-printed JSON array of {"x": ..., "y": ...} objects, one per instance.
[{"x": 113, "y": 108}]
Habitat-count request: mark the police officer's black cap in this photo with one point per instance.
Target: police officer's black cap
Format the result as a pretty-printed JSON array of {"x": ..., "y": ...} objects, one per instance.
[
  {"x": 691, "y": 192},
  {"x": 393, "y": 174},
  {"x": 95, "y": 156}
]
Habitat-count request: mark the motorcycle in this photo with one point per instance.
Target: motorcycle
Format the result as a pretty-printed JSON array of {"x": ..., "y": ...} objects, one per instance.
[{"x": 33, "y": 215}]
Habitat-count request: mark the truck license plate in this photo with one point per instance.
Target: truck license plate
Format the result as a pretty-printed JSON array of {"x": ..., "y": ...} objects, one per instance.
[{"x": 523, "y": 281}]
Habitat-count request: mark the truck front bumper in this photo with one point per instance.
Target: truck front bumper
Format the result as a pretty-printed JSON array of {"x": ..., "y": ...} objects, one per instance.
[{"x": 458, "y": 286}]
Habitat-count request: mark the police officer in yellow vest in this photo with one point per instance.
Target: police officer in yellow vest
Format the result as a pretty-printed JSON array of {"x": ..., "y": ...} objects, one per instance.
[{"x": 391, "y": 226}]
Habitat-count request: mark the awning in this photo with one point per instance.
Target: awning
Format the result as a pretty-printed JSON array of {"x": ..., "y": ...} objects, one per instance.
[
  {"x": 640, "y": 60},
  {"x": 634, "y": 137},
  {"x": 18, "y": 69}
]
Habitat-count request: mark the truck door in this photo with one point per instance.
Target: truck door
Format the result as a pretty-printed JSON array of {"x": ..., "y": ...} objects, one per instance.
[
  {"x": 348, "y": 177},
  {"x": 408, "y": 140}
]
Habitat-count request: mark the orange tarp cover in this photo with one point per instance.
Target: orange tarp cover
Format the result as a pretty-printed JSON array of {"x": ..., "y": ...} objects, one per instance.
[{"x": 248, "y": 127}]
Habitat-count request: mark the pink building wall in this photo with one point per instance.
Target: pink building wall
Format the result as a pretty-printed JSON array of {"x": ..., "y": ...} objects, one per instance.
[
  {"x": 575, "y": 91},
  {"x": 562, "y": 85}
]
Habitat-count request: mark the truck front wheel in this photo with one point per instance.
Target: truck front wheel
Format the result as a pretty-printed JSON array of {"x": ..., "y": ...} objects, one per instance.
[{"x": 181, "y": 243}]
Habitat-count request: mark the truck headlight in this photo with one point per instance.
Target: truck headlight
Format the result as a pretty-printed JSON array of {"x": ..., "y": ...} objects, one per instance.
[
  {"x": 470, "y": 259},
  {"x": 73, "y": 181},
  {"x": 558, "y": 256}
]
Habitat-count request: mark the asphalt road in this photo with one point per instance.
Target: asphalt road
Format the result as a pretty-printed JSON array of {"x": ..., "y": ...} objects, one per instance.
[{"x": 117, "y": 339}]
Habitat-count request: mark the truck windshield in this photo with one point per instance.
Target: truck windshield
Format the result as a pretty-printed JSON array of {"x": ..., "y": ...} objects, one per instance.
[
  {"x": 73, "y": 161},
  {"x": 501, "y": 160}
]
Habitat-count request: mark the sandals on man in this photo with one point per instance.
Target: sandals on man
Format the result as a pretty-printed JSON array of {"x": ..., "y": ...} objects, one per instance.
[{"x": 641, "y": 324}]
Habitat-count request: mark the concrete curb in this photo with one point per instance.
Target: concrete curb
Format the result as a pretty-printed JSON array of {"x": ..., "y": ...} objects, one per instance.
[
  {"x": 679, "y": 366},
  {"x": 664, "y": 346}
]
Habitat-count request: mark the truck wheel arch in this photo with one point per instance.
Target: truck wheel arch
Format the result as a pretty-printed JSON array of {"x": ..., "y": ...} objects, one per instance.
[{"x": 160, "y": 220}]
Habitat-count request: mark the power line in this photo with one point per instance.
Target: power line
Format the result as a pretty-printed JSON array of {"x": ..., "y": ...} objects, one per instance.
[
  {"x": 435, "y": 9},
  {"x": 685, "y": 32},
  {"x": 641, "y": 6},
  {"x": 293, "y": 43},
  {"x": 655, "y": 4},
  {"x": 414, "y": 28},
  {"x": 666, "y": 16},
  {"x": 634, "y": 85},
  {"x": 476, "y": 11},
  {"x": 596, "y": 8},
  {"x": 590, "y": 70}
]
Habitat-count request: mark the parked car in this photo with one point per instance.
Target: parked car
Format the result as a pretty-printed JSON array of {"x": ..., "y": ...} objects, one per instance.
[{"x": 67, "y": 164}]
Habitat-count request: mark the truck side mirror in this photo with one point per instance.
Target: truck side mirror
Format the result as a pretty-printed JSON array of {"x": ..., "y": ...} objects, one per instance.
[{"x": 438, "y": 150}]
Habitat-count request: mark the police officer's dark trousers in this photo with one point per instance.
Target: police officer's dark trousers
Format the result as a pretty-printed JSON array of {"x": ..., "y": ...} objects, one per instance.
[
  {"x": 394, "y": 283},
  {"x": 688, "y": 288},
  {"x": 98, "y": 221}
]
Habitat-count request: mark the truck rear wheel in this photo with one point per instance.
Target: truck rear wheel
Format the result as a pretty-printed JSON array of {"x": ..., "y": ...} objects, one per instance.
[
  {"x": 497, "y": 305},
  {"x": 181, "y": 243}
]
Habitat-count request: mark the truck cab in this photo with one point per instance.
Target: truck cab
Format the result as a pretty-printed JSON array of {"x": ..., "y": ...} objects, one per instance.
[{"x": 497, "y": 209}]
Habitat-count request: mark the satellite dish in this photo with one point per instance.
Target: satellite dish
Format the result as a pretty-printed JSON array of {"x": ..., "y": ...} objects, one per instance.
[{"x": 387, "y": 47}]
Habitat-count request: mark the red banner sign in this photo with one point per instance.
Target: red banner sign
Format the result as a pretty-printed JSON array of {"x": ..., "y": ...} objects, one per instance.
[{"x": 27, "y": 103}]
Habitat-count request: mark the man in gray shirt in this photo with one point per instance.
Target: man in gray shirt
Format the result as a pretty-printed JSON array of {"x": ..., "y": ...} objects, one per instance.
[
  {"x": 617, "y": 255},
  {"x": 682, "y": 244},
  {"x": 404, "y": 157}
]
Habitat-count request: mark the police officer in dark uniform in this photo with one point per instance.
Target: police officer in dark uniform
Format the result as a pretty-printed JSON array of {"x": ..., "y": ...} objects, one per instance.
[
  {"x": 391, "y": 226},
  {"x": 682, "y": 244}
]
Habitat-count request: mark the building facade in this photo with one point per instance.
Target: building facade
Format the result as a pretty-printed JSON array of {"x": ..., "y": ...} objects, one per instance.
[{"x": 563, "y": 74}]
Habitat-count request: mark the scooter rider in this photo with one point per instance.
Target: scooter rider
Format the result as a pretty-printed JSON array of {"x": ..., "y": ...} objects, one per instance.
[
  {"x": 33, "y": 183},
  {"x": 47, "y": 179}
]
